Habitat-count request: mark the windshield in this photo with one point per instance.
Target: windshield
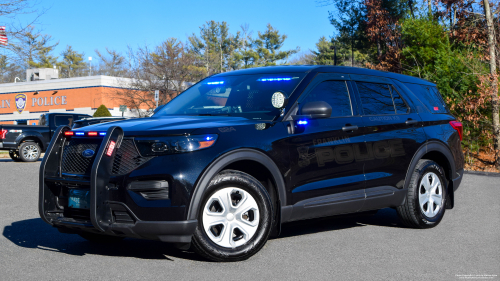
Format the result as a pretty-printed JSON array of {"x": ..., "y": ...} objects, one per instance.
[{"x": 246, "y": 96}]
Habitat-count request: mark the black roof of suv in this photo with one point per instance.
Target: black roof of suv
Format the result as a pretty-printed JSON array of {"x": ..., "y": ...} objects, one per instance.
[{"x": 225, "y": 163}]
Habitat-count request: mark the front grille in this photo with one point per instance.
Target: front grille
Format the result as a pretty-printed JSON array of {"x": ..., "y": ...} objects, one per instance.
[
  {"x": 73, "y": 161},
  {"x": 126, "y": 160}
]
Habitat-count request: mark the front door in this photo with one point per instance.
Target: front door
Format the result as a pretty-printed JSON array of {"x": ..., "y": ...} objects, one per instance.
[{"x": 324, "y": 172}]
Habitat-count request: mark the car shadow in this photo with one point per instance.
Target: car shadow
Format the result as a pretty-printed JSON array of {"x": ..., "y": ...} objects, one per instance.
[
  {"x": 10, "y": 160},
  {"x": 385, "y": 217},
  {"x": 36, "y": 234}
]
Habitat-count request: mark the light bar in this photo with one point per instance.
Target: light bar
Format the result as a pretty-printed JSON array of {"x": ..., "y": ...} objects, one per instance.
[
  {"x": 215, "y": 83},
  {"x": 80, "y": 133},
  {"x": 68, "y": 133},
  {"x": 274, "y": 79},
  {"x": 92, "y": 134},
  {"x": 111, "y": 147}
]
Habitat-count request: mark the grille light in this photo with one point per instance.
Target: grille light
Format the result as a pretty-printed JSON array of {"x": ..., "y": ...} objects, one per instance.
[
  {"x": 92, "y": 134},
  {"x": 69, "y": 133},
  {"x": 302, "y": 122},
  {"x": 102, "y": 134},
  {"x": 111, "y": 147},
  {"x": 80, "y": 133}
]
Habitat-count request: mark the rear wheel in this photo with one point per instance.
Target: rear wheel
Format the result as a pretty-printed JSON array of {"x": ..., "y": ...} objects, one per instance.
[
  {"x": 235, "y": 218},
  {"x": 99, "y": 238},
  {"x": 425, "y": 203},
  {"x": 14, "y": 155},
  {"x": 29, "y": 152}
]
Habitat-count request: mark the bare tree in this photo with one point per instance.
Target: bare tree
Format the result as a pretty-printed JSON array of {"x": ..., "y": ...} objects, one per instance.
[
  {"x": 113, "y": 63},
  {"x": 169, "y": 68}
]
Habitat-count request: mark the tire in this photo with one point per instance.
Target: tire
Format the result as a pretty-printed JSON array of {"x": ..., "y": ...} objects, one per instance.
[
  {"x": 427, "y": 185},
  {"x": 14, "y": 155},
  {"x": 99, "y": 238},
  {"x": 235, "y": 229},
  {"x": 29, "y": 152}
]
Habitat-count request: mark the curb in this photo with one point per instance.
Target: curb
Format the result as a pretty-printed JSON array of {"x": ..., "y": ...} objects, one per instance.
[{"x": 479, "y": 173}]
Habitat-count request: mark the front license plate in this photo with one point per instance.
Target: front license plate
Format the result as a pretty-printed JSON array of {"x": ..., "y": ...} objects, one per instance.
[{"x": 79, "y": 199}]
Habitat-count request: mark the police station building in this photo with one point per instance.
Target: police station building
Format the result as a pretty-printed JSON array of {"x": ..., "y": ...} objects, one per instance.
[{"x": 22, "y": 103}]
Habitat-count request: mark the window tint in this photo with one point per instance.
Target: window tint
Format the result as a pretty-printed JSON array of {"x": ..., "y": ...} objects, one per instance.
[
  {"x": 429, "y": 96},
  {"x": 399, "y": 103},
  {"x": 63, "y": 120},
  {"x": 334, "y": 93},
  {"x": 376, "y": 98}
]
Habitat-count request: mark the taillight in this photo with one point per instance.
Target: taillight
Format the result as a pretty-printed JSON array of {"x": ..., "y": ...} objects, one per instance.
[
  {"x": 458, "y": 126},
  {"x": 111, "y": 147},
  {"x": 2, "y": 134}
]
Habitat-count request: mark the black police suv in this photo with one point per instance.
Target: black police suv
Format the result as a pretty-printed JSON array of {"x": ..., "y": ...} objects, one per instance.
[{"x": 229, "y": 160}]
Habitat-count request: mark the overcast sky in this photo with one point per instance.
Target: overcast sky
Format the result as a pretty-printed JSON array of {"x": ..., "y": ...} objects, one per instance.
[{"x": 90, "y": 24}]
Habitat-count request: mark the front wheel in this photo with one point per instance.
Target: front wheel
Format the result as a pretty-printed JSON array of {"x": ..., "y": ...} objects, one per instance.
[
  {"x": 425, "y": 203},
  {"x": 29, "y": 152},
  {"x": 234, "y": 219}
]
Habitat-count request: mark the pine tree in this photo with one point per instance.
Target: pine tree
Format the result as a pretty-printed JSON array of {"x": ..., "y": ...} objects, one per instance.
[
  {"x": 102, "y": 111},
  {"x": 269, "y": 47},
  {"x": 73, "y": 64}
]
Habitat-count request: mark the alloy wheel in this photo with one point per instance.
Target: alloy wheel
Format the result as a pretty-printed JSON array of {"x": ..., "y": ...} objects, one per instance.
[{"x": 31, "y": 152}]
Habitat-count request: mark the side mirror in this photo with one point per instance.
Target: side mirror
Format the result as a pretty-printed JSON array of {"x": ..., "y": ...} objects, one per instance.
[{"x": 317, "y": 109}]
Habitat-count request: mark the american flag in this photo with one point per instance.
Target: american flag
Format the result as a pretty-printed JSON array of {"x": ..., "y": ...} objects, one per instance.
[{"x": 3, "y": 36}]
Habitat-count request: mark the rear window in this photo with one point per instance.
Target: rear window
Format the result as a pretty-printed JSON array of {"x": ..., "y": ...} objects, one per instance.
[
  {"x": 430, "y": 97},
  {"x": 63, "y": 120}
]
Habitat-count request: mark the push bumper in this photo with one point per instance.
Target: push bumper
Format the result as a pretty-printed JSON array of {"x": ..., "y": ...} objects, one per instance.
[{"x": 102, "y": 219}]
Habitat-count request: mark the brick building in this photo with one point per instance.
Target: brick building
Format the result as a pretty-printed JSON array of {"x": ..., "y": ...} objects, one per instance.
[{"x": 23, "y": 102}]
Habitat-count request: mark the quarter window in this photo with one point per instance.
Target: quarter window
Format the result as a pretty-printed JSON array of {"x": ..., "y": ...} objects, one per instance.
[
  {"x": 399, "y": 103},
  {"x": 334, "y": 93}
]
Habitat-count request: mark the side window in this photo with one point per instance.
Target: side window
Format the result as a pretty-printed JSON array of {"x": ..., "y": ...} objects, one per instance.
[
  {"x": 63, "y": 120},
  {"x": 429, "y": 96},
  {"x": 334, "y": 93},
  {"x": 80, "y": 117},
  {"x": 376, "y": 98},
  {"x": 399, "y": 103}
]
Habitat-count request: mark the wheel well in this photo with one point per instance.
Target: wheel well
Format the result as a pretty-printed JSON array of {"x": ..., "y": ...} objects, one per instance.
[
  {"x": 439, "y": 158},
  {"x": 442, "y": 161},
  {"x": 261, "y": 173},
  {"x": 32, "y": 139}
]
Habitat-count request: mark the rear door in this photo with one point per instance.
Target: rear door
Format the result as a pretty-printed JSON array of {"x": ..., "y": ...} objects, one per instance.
[
  {"x": 324, "y": 176},
  {"x": 392, "y": 131}
]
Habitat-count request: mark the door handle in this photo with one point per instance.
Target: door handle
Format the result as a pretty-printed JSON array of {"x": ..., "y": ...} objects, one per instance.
[
  {"x": 349, "y": 128},
  {"x": 411, "y": 121}
]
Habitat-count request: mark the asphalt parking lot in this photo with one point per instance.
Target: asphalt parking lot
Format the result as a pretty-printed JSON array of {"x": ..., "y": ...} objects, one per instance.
[{"x": 466, "y": 243}]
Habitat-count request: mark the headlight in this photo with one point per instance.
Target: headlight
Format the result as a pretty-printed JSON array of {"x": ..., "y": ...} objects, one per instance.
[{"x": 170, "y": 145}]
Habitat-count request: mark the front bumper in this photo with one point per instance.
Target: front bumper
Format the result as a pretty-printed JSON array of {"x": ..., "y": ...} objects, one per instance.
[{"x": 105, "y": 215}]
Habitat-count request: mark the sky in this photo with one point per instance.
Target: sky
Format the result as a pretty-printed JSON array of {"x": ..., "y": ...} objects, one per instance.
[{"x": 89, "y": 25}]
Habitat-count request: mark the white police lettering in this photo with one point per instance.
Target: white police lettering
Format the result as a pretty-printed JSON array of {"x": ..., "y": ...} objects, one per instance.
[
  {"x": 5, "y": 104},
  {"x": 59, "y": 100}
]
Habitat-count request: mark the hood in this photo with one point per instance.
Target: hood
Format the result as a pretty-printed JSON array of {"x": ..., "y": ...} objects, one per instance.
[{"x": 170, "y": 125}]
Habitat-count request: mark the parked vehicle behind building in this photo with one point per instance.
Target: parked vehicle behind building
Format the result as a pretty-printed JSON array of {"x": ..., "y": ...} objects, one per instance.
[
  {"x": 26, "y": 143},
  {"x": 225, "y": 163}
]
